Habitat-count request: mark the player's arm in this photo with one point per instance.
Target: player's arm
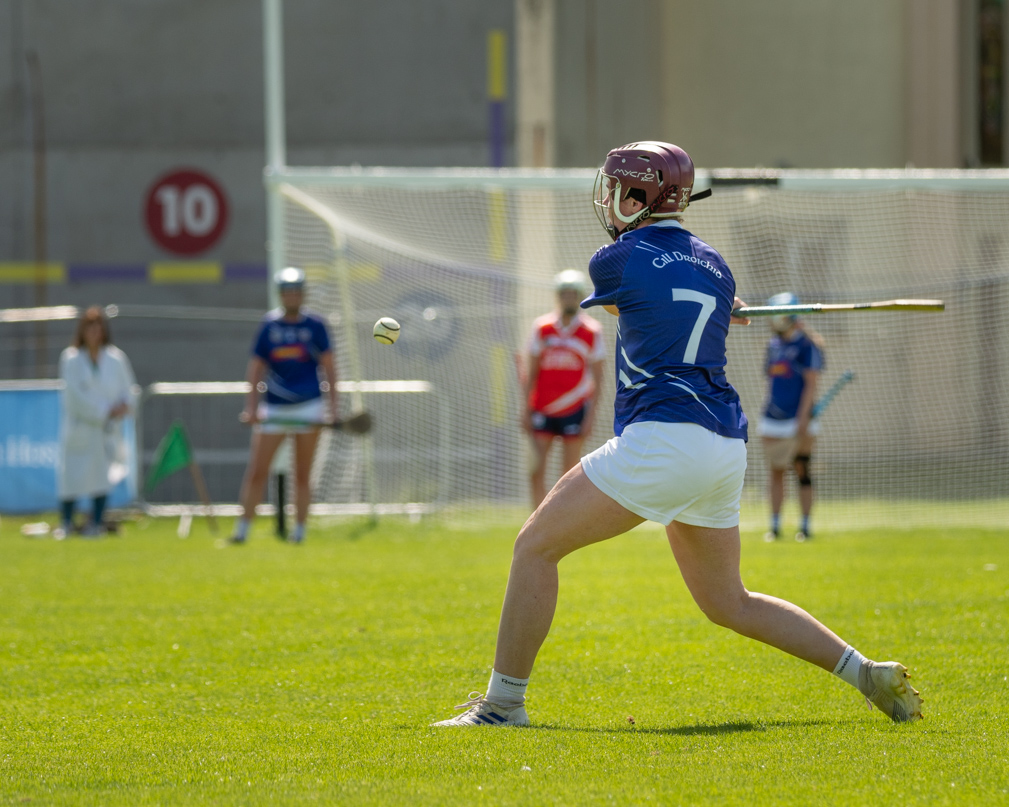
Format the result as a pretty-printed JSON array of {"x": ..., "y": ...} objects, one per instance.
[
  {"x": 606, "y": 269},
  {"x": 737, "y": 303},
  {"x": 328, "y": 363},
  {"x": 810, "y": 378},
  {"x": 596, "y": 368},
  {"x": 532, "y": 375},
  {"x": 254, "y": 374}
]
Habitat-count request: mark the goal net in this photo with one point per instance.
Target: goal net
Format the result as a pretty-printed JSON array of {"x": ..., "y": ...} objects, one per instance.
[{"x": 464, "y": 259}]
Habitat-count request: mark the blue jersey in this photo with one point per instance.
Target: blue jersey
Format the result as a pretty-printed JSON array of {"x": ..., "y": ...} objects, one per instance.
[
  {"x": 291, "y": 351},
  {"x": 786, "y": 362},
  {"x": 675, "y": 295}
]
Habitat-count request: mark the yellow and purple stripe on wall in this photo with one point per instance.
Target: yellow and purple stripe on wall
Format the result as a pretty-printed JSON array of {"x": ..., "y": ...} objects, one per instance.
[
  {"x": 497, "y": 93},
  {"x": 159, "y": 272}
]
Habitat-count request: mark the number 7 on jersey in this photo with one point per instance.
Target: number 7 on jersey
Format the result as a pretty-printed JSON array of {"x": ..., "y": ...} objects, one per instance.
[{"x": 708, "y": 303}]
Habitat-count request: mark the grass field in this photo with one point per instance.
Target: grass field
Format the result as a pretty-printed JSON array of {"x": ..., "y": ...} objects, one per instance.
[{"x": 146, "y": 669}]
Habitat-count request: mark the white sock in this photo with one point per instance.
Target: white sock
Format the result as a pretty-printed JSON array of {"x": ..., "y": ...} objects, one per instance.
[
  {"x": 850, "y": 663},
  {"x": 299, "y": 532},
  {"x": 242, "y": 527},
  {"x": 505, "y": 689}
]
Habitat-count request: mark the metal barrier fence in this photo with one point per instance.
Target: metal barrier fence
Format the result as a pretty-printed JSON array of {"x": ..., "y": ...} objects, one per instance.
[{"x": 401, "y": 467}]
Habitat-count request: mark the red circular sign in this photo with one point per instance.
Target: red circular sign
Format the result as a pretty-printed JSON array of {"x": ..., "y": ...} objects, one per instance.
[{"x": 186, "y": 211}]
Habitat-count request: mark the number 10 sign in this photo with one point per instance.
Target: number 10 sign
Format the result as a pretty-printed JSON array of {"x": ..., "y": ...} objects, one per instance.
[{"x": 186, "y": 211}]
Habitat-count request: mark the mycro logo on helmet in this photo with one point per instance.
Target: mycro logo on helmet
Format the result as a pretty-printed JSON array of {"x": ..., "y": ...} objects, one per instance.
[{"x": 645, "y": 176}]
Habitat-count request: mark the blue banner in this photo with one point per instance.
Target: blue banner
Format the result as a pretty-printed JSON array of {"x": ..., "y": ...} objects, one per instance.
[{"x": 30, "y": 453}]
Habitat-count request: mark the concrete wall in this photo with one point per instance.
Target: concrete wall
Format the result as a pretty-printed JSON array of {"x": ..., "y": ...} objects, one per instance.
[
  {"x": 800, "y": 83},
  {"x": 609, "y": 57}
]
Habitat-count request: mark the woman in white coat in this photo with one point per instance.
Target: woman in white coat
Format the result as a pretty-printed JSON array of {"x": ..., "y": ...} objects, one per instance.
[{"x": 98, "y": 394}]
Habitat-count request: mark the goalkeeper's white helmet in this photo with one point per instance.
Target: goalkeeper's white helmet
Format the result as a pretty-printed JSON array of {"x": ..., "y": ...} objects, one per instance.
[
  {"x": 570, "y": 279},
  {"x": 782, "y": 322}
]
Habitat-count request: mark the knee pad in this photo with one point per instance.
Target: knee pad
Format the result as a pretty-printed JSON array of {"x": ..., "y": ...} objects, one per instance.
[{"x": 802, "y": 470}]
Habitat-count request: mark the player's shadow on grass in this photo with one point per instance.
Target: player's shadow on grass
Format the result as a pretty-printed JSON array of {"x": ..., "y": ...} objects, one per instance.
[
  {"x": 696, "y": 730},
  {"x": 359, "y": 530}
]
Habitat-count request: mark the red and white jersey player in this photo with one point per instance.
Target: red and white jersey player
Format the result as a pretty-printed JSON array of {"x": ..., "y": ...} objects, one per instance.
[{"x": 565, "y": 355}]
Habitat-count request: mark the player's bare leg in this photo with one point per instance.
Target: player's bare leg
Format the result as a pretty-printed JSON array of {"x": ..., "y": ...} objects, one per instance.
[
  {"x": 776, "y": 494},
  {"x": 806, "y": 500},
  {"x": 263, "y": 447},
  {"x": 709, "y": 562},
  {"x": 804, "y": 478},
  {"x": 537, "y": 475},
  {"x": 575, "y": 514},
  {"x": 304, "y": 453}
]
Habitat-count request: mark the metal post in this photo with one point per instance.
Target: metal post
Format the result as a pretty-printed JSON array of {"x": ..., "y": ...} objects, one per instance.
[
  {"x": 39, "y": 185},
  {"x": 276, "y": 145}
]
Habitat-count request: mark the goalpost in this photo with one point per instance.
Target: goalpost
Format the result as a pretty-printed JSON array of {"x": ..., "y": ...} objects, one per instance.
[{"x": 464, "y": 259}]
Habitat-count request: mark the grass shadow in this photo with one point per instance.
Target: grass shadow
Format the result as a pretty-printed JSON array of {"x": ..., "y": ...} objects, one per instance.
[{"x": 697, "y": 730}]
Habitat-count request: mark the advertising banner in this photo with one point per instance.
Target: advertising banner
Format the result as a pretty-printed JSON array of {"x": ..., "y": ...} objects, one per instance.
[{"x": 30, "y": 452}]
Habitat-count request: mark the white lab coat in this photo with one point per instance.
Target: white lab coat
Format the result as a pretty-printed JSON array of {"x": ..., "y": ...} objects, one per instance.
[{"x": 92, "y": 445}]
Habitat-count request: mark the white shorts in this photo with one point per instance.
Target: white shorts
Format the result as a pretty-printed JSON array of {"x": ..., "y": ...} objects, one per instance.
[
  {"x": 669, "y": 472},
  {"x": 783, "y": 429},
  {"x": 305, "y": 412}
]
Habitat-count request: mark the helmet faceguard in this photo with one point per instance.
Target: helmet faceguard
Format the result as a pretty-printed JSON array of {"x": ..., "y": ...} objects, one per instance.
[{"x": 659, "y": 175}]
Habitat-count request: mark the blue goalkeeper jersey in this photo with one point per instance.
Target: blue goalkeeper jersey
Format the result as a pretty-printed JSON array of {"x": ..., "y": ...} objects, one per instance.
[
  {"x": 291, "y": 351},
  {"x": 786, "y": 362},
  {"x": 675, "y": 295}
]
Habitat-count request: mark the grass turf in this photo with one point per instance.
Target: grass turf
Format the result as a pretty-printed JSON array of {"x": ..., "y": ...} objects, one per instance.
[{"x": 151, "y": 670}]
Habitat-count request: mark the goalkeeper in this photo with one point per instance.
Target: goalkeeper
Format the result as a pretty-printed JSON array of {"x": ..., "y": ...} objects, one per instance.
[
  {"x": 788, "y": 428},
  {"x": 679, "y": 455}
]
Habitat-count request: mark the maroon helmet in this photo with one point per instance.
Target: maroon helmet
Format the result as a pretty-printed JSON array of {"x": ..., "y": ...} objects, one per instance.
[{"x": 659, "y": 175}]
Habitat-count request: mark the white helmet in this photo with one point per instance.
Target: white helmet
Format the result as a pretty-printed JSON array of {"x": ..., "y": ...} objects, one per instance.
[
  {"x": 782, "y": 322},
  {"x": 290, "y": 277},
  {"x": 570, "y": 279}
]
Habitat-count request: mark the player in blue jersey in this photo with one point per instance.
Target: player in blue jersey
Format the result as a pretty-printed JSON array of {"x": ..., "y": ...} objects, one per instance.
[
  {"x": 290, "y": 348},
  {"x": 679, "y": 453},
  {"x": 788, "y": 429}
]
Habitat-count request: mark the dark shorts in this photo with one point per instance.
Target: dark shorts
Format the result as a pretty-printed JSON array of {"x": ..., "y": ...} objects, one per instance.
[{"x": 567, "y": 426}]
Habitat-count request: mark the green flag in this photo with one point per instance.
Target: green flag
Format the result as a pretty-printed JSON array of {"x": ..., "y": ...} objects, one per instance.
[{"x": 171, "y": 455}]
